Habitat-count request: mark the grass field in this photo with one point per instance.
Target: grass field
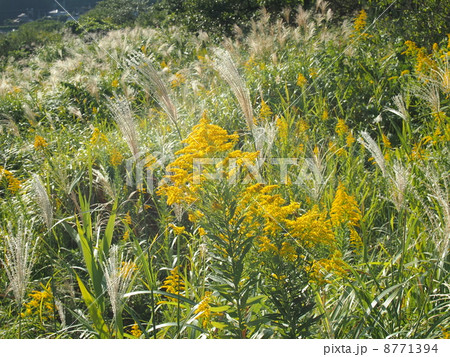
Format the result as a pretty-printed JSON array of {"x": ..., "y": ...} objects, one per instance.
[{"x": 291, "y": 182}]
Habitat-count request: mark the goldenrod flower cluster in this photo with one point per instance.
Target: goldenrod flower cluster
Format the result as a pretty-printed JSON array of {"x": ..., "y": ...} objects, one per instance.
[
  {"x": 346, "y": 213},
  {"x": 344, "y": 208},
  {"x": 312, "y": 228},
  {"x": 127, "y": 268},
  {"x": 39, "y": 143},
  {"x": 324, "y": 268},
  {"x": 98, "y": 137},
  {"x": 178, "y": 230},
  {"x": 341, "y": 128},
  {"x": 174, "y": 284},
  {"x": 265, "y": 111},
  {"x": 116, "y": 157},
  {"x": 177, "y": 80},
  {"x": 41, "y": 304},
  {"x": 205, "y": 141},
  {"x": 13, "y": 183},
  {"x": 135, "y": 331},
  {"x": 204, "y": 309},
  {"x": 283, "y": 128},
  {"x": 360, "y": 22},
  {"x": 301, "y": 80}
]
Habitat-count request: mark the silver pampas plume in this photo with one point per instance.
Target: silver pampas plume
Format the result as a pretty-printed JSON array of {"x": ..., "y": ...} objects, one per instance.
[
  {"x": 123, "y": 116},
  {"x": 43, "y": 201},
  {"x": 19, "y": 258}
]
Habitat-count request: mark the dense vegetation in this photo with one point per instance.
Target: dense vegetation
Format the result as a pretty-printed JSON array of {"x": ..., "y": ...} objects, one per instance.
[{"x": 290, "y": 181}]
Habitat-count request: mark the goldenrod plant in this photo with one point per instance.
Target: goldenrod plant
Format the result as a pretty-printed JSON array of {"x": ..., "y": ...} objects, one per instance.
[{"x": 287, "y": 181}]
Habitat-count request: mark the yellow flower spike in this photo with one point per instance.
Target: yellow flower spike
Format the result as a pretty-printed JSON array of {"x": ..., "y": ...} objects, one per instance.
[
  {"x": 126, "y": 235},
  {"x": 360, "y": 22},
  {"x": 344, "y": 209},
  {"x": 204, "y": 309},
  {"x": 288, "y": 252},
  {"x": 98, "y": 137},
  {"x": 350, "y": 139},
  {"x": 14, "y": 184},
  {"x": 39, "y": 143},
  {"x": 265, "y": 112},
  {"x": 116, "y": 157},
  {"x": 127, "y": 218},
  {"x": 301, "y": 80},
  {"x": 135, "y": 331},
  {"x": 177, "y": 230},
  {"x": 205, "y": 141},
  {"x": 312, "y": 228},
  {"x": 127, "y": 267},
  {"x": 386, "y": 142},
  {"x": 341, "y": 128},
  {"x": 283, "y": 128},
  {"x": 41, "y": 304},
  {"x": 174, "y": 284}
]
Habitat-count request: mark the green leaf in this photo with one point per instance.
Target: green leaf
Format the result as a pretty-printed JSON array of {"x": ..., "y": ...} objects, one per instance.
[
  {"x": 219, "y": 325},
  {"x": 94, "y": 310},
  {"x": 220, "y": 308},
  {"x": 106, "y": 241}
]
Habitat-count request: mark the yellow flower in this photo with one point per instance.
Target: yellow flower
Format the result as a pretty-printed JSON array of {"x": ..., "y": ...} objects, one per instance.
[
  {"x": 265, "y": 111},
  {"x": 312, "y": 228},
  {"x": 324, "y": 268},
  {"x": 341, "y": 127},
  {"x": 39, "y": 143},
  {"x": 283, "y": 128},
  {"x": 303, "y": 126},
  {"x": 301, "y": 80},
  {"x": 446, "y": 81},
  {"x": 204, "y": 309},
  {"x": 265, "y": 245},
  {"x": 97, "y": 137},
  {"x": 41, "y": 304},
  {"x": 411, "y": 49},
  {"x": 127, "y": 268},
  {"x": 174, "y": 284},
  {"x": 350, "y": 139},
  {"x": 127, "y": 218},
  {"x": 335, "y": 149},
  {"x": 405, "y": 72},
  {"x": 126, "y": 235},
  {"x": 205, "y": 140},
  {"x": 360, "y": 22},
  {"x": 115, "y": 83},
  {"x": 177, "y": 230},
  {"x": 288, "y": 252},
  {"x": 355, "y": 240},
  {"x": 325, "y": 114},
  {"x": 178, "y": 80},
  {"x": 344, "y": 209},
  {"x": 386, "y": 142},
  {"x": 13, "y": 184},
  {"x": 116, "y": 158},
  {"x": 135, "y": 331}
]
